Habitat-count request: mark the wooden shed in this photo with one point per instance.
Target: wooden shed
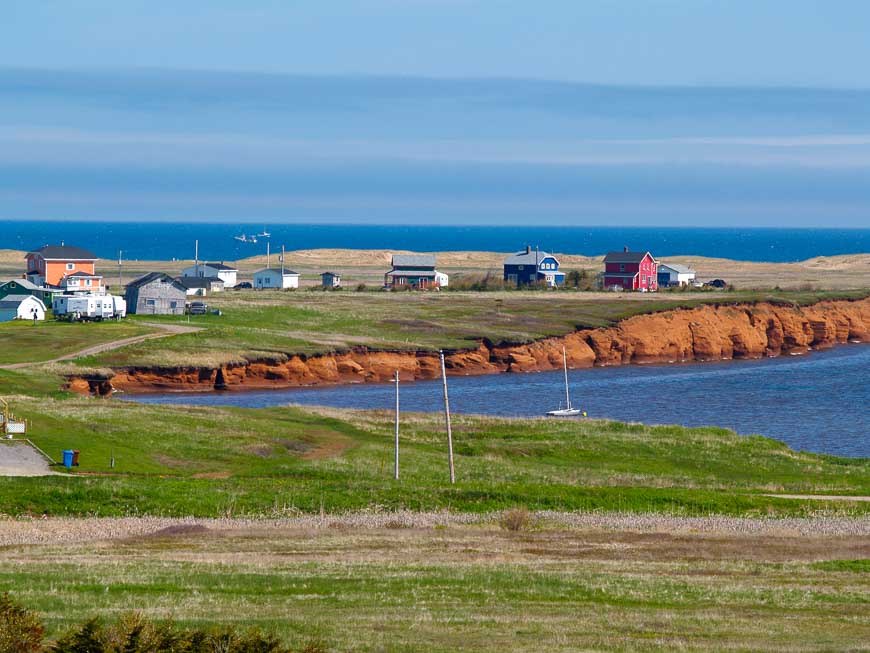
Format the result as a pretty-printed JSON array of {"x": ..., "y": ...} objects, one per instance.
[{"x": 155, "y": 294}]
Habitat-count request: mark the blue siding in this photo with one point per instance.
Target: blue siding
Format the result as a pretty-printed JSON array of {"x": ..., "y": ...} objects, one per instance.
[{"x": 528, "y": 274}]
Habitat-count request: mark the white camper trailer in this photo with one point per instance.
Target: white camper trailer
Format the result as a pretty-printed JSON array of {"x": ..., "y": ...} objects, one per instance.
[{"x": 88, "y": 307}]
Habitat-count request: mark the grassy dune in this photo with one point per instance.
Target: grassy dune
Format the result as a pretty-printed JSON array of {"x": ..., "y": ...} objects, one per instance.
[
  {"x": 369, "y": 266},
  {"x": 176, "y": 460}
]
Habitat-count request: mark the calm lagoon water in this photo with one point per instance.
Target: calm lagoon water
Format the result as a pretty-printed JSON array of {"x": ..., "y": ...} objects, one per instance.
[{"x": 819, "y": 402}]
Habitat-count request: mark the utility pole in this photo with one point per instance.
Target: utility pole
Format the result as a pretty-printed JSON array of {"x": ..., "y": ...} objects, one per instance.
[
  {"x": 119, "y": 271},
  {"x": 396, "y": 466},
  {"x": 196, "y": 258},
  {"x": 268, "y": 256},
  {"x": 447, "y": 417},
  {"x": 282, "y": 261}
]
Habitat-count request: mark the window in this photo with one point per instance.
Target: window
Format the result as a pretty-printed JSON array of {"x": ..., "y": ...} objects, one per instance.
[
  {"x": 88, "y": 282},
  {"x": 622, "y": 267},
  {"x": 150, "y": 302},
  {"x": 70, "y": 266},
  {"x": 171, "y": 304}
]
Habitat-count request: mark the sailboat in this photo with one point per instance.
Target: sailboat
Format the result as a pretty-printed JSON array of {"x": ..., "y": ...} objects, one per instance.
[
  {"x": 569, "y": 411},
  {"x": 264, "y": 234}
]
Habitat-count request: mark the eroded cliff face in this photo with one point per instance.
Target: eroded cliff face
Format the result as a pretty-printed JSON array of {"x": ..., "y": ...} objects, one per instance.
[{"x": 700, "y": 334}]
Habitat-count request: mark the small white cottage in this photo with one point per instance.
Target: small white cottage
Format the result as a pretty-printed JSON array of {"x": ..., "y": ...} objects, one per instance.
[
  {"x": 21, "y": 307},
  {"x": 225, "y": 273},
  {"x": 673, "y": 274},
  {"x": 272, "y": 278}
]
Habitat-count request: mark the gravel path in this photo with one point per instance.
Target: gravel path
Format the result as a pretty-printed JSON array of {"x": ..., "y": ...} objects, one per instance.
[
  {"x": 819, "y": 497},
  {"x": 20, "y": 459},
  {"x": 72, "y": 530},
  {"x": 166, "y": 330}
]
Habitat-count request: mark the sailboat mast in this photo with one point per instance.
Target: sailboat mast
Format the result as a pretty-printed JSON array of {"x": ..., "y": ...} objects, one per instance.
[{"x": 565, "y": 367}]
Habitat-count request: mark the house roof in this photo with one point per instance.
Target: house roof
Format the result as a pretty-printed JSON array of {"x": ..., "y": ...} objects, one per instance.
[
  {"x": 621, "y": 275},
  {"x": 219, "y": 266},
  {"x": 14, "y": 301},
  {"x": 412, "y": 273},
  {"x": 64, "y": 253},
  {"x": 676, "y": 267},
  {"x": 286, "y": 273},
  {"x": 334, "y": 274},
  {"x": 625, "y": 257},
  {"x": 24, "y": 283},
  {"x": 528, "y": 257},
  {"x": 199, "y": 282},
  {"x": 414, "y": 261},
  {"x": 153, "y": 276},
  {"x": 84, "y": 274}
]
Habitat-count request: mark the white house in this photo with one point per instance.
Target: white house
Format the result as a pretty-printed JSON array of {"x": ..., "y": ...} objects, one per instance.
[
  {"x": 225, "y": 273},
  {"x": 201, "y": 286},
  {"x": 673, "y": 274},
  {"x": 21, "y": 307},
  {"x": 272, "y": 278},
  {"x": 82, "y": 282}
]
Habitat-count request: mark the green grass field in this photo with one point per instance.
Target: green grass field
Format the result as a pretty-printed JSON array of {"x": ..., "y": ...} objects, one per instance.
[
  {"x": 177, "y": 460},
  {"x": 474, "y": 588},
  {"x": 24, "y": 342},
  {"x": 260, "y": 324}
]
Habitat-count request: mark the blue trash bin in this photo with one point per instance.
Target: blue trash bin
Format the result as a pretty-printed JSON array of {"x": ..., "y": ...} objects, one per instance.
[{"x": 68, "y": 458}]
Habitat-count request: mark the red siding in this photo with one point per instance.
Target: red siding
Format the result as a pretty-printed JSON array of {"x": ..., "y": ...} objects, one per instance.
[{"x": 646, "y": 275}]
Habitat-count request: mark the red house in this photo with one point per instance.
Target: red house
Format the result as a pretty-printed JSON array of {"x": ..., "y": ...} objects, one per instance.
[{"x": 631, "y": 271}]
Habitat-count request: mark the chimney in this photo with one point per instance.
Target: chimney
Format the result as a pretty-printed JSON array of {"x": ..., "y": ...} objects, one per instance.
[
  {"x": 528, "y": 249},
  {"x": 625, "y": 249}
]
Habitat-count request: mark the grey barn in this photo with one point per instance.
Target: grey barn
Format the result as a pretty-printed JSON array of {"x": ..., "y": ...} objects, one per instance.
[{"x": 155, "y": 294}]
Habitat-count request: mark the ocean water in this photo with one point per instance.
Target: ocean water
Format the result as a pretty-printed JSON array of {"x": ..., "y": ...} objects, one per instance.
[
  {"x": 819, "y": 402},
  {"x": 165, "y": 241}
]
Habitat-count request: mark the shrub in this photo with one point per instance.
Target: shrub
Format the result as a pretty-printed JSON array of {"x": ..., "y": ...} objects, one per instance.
[
  {"x": 361, "y": 287},
  {"x": 88, "y": 638},
  {"x": 516, "y": 519},
  {"x": 20, "y": 629},
  {"x": 22, "y": 632}
]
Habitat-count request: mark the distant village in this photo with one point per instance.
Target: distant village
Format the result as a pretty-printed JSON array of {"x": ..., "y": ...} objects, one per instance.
[{"x": 64, "y": 278}]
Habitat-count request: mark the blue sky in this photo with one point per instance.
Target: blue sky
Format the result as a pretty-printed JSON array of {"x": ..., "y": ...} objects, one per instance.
[{"x": 451, "y": 111}]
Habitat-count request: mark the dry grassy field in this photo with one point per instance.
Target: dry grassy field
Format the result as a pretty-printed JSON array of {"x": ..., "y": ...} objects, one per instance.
[
  {"x": 435, "y": 583},
  {"x": 369, "y": 266}
]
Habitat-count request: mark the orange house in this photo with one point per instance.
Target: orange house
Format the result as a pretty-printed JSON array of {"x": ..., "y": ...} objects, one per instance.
[{"x": 48, "y": 265}]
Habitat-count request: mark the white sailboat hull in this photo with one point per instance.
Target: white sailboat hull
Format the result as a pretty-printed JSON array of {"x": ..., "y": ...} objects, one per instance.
[{"x": 565, "y": 412}]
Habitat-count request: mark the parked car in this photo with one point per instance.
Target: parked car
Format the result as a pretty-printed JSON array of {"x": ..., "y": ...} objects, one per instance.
[
  {"x": 244, "y": 285},
  {"x": 716, "y": 283},
  {"x": 197, "y": 308}
]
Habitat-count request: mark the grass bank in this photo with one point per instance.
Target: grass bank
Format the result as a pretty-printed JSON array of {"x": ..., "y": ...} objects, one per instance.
[
  {"x": 177, "y": 460},
  {"x": 272, "y": 323}
]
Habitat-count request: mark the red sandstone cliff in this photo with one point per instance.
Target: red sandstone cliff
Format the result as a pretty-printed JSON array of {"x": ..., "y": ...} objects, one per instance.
[{"x": 699, "y": 334}]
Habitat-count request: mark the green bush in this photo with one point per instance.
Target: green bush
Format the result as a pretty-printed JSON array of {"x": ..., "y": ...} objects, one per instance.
[
  {"x": 20, "y": 629},
  {"x": 22, "y": 632}
]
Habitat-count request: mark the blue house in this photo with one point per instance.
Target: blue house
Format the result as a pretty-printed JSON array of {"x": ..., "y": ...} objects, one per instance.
[{"x": 532, "y": 266}]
